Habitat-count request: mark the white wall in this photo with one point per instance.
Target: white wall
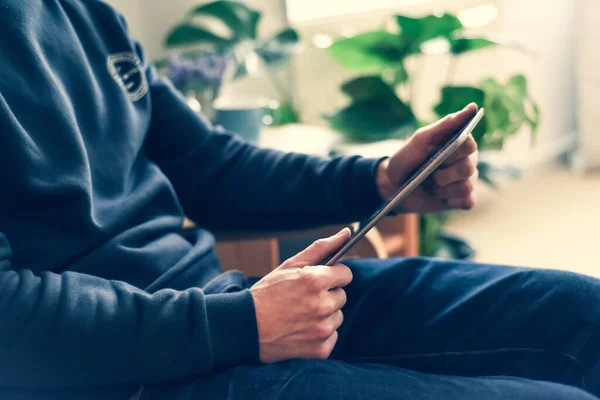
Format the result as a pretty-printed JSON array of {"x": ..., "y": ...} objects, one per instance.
[
  {"x": 132, "y": 11},
  {"x": 550, "y": 32},
  {"x": 588, "y": 78},
  {"x": 150, "y": 20}
]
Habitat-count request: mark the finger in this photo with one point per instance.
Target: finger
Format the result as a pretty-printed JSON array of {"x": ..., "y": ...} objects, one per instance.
[
  {"x": 327, "y": 347},
  {"x": 341, "y": 276},
  {"x": 319, "y": 250},
  {"x": 462, "y": 203},
  {"x": 468, "y": 148},
  {"x": 459, "y": 171},
  {"x": 458, "y": 189},
  {"x": 338, "y": 299},
  {"x": 326, "y": 326},
  {"x": 337, "y": 319},
  {"x": 316, "y": 348},
  {"x": 442, "y": 129},
  {"x": 337, "y": 276}
]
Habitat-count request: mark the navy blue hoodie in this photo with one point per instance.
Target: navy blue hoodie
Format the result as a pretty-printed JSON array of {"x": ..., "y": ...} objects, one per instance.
[{"x": 100, "y": 160}]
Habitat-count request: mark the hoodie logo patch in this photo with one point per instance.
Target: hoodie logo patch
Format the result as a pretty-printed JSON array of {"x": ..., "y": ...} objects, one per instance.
[{"x": 127, "y": 70}]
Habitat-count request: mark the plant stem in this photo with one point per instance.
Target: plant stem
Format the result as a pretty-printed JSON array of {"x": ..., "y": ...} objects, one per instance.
[
  {"x": 287, "y": 109},
  {"x": 279, "y": 87},
  {"x": 451, "y": 74},
  {"x": 411, "y": 90}
]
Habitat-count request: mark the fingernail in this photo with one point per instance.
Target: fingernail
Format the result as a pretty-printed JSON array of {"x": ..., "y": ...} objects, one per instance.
[{"x": 343, "y": 232}]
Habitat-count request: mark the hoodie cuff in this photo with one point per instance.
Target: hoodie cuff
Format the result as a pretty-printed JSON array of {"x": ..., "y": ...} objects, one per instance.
[
  {"x": 362, "y": 195},
  {"x": 233, "y": 329}
]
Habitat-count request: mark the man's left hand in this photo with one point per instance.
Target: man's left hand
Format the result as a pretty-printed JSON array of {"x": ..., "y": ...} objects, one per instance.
[{"x": 448, "y": 188}]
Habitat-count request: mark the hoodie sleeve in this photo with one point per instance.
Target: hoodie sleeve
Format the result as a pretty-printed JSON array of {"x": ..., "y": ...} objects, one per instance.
[
  {"x": 225, "y": 183},
  {"x": 71, "y": 329},
  {"x": 58, "y": 328}
]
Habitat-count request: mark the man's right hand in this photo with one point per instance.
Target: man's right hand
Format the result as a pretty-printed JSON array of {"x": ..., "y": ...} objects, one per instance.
[{"x": 298, "y": 305}]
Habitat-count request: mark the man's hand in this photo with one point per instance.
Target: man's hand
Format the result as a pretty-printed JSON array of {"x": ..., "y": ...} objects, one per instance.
[
  {"x": 298, "y": 305},
  {"x": 451, "y": 186}
]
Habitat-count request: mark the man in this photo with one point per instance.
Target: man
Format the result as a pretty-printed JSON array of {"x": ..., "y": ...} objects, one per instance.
[{"x": 100, "y": 294}]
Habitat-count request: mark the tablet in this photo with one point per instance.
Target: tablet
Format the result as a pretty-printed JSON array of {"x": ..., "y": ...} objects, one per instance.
[{"x": 407, "y": 188}]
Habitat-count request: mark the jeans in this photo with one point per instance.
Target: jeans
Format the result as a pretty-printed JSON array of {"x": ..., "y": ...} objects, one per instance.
[{"x": 431, "y": 329}]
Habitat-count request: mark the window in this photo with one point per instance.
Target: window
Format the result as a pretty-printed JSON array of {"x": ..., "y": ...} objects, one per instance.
[{"x": 306, "y": 10}]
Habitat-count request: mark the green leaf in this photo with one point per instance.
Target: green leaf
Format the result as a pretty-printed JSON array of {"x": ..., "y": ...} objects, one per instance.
[
  {"x": 534, "y": 121},
  {"x": 241, "y": 71},
  {"x": 367, "y": 87},
  {"x": 186, "y": 34},
  {"x": 375, "y": 113},
  {"x": 241, "y": 45},
  {"x": 239, "y": 18},
  {"x": 463, "y": 45},
  {"x": 161, "y": 63},
  {"x": 284, "y": 114},
  {"x": 374, "y": 120},
  {"x": 369, "y": 52},
  {"x": 400, "y": 75},
  {"x": 279, "y": 48},
  {"x": 430, "y": 231},
  {"x": 502, "y": 113},
  {"x": 455, "y": 98},
  {"x": 454, "y": 247},
  {"x": 518, "y": 83},
  {"x": 507, "y": 109},
  {"x": 488, "y": 172},
  {"x": 485, "y": 174},
  {"x": 420, "y": 30}
]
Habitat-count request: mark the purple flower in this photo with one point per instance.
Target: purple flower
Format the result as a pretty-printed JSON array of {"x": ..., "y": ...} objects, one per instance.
[
  {"x": 203, "y": 72},
  {"x": 179, "y": 72}
]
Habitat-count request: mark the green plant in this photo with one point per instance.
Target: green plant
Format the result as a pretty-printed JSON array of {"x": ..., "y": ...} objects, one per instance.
[
  {"x": 381, "y": 98},
  {"x": 230, "y": 28}
]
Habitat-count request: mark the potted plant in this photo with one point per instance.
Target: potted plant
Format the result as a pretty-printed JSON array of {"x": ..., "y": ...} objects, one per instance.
[
  {"x": 381, "y": 99},
  {"x": 199, "y": 78},
  {"x": 218, "y": 41}
]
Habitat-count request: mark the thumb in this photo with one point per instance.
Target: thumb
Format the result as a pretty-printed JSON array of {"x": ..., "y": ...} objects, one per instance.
[
  {"x": 443, "y": 129},
  {"x": 318, "y": 251}
]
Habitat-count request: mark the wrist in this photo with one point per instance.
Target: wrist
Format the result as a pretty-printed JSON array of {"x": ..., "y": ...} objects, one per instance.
[{"x": 385, "y": 186}]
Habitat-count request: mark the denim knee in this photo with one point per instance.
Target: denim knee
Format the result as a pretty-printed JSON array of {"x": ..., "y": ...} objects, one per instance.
[
  {"x": 578, "y": 293},
  {"x": 567, "y": 393}
]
